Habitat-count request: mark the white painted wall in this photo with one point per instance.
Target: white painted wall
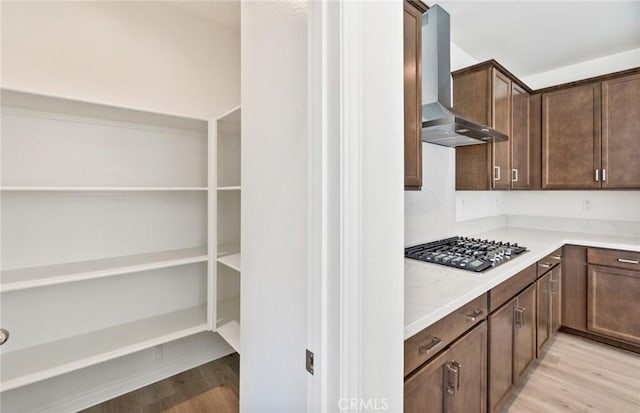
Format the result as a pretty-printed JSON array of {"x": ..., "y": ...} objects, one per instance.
[
  {"x": 600, "y": 205},
  {"x": 431, "y": 213},
  {"x": 382, "y": 173},
  {"x": 584, "y": 70},
  {"x": 274, "y": 206},
  {"x": 148, "y": 55}
]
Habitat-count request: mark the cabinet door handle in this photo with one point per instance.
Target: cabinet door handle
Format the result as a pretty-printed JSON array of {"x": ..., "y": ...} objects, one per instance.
[
  {"x": 604, "y": 175},
  {"x": 519, "y": 317},
  {"x": 553, "y": 286},
  {"x": 514, "y": 175},
  {"x": 426, "y": 349},
  {"x": 597, "y": 175},
  {"x": 628, "y": 261},
  {"x": 496, "y": 173},
  {"x": 473, "y": 316},
  {"x": 453, "y": 377}
]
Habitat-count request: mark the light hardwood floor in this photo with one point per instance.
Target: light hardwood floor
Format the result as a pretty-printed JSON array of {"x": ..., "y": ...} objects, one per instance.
[
  {"x": 575, "y": 375},
  {"x": 210, "y": 388},
  {"x": 581, "y": 375}
]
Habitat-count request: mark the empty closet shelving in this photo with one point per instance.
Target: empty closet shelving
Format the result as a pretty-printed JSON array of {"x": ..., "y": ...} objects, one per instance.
[
  {"x": 227, "y": 202},
  {"x": 107, "y": 242}
]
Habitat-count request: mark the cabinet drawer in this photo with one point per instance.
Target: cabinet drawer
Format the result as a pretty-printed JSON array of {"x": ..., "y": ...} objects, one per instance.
[
  {"x": 614, "y": 258},
  {"x": 424, "y": 345},
  {"x": 508, "y": 289},
  {"x": 550, "y": 261}
]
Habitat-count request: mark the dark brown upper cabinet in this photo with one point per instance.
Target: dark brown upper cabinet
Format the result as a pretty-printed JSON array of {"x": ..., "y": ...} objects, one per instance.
[
  {"x": 489, "y": 94},
  {"x": 571, "y": 138},
  {"x": 621, "y": 132},
  {"x": 590, "y": 134},
  {"x": 579, "y": 135},
  {"x": 413, "y": 11}
]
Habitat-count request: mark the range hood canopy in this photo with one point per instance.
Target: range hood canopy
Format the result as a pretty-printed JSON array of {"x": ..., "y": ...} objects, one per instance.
[{"x": 442, "y": 125}]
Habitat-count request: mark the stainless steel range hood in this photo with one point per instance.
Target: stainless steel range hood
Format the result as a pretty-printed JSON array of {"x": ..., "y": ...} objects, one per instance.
[{"x": 442, "y": 125}]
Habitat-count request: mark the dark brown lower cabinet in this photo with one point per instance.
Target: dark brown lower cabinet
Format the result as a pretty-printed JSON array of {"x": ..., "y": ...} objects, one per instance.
[
  {"x": 511, "y": 345},
  {"x": 524, "y": 339},
  {"x": 549, "y": 300},
  {"x": 543, "y": 324},
  {"x": 574, "y": 287},
  {"x": 613, "y": 303},
  {"x": 455, "y": 381}
]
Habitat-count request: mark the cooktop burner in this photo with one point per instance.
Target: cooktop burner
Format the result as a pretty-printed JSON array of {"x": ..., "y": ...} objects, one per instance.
[{"x": 471, "y": 254}]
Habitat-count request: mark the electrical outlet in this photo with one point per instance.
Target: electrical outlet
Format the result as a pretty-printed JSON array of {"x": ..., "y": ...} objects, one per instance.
[
  {"x": 157, "y": 352},
  {"x": 586, "y": 205}
]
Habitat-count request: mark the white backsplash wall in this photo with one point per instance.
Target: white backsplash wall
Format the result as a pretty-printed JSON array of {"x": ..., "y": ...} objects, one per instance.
[
  {"x": 479, "y": 204},
  {"x": 600, "y": 205},
  {"x": 431, "y": 213}
]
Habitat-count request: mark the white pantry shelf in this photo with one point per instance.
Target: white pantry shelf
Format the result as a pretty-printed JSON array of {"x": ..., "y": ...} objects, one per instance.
[
  {"x": 101, "y": 188},
  {"x": 33, "y": 364},
  {"x": 232, "y": 261},
  {"x": 31, "y": 277},
  {"x": 229, "y": 188},
  {"x": 228, "y": 321}
]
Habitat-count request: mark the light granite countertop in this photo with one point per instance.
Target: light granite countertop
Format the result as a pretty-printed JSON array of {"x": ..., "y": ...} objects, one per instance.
[{"x": 432, "y": 291}]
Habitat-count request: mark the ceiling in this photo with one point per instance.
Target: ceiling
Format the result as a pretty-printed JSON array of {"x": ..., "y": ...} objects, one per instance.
[
  {"x": 530, "y": 37},
  {"x": 224, "y": 12}
]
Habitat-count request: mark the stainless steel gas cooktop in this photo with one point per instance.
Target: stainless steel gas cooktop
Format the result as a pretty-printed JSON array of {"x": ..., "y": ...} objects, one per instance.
[{"x": 471, "y": 254}]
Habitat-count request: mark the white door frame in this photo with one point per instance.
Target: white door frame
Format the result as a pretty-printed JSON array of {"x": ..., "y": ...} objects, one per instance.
[{"x": 353, "y": 221}]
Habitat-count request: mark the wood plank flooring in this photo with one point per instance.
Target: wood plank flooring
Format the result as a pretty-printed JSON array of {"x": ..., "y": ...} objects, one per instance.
[
  {"x": 575, "y": 375},
  {"x": 581, "y": 375},
  {"x": 212, "y": 387}
]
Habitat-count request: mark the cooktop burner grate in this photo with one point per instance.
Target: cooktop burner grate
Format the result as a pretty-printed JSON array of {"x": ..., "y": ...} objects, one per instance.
[{"x": 471, "y": 254}]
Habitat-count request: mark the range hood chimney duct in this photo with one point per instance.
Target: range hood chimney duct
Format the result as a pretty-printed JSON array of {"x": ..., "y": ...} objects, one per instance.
[{"x": 442, "y": 125}]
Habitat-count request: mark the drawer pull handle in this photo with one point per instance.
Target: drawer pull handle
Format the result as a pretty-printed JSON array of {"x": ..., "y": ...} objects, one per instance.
[
  {"x": 545, "y": 265},
  {"x": 519, "y": 317},
  {"x": 556, "y": 257},
  {"x": 453, "y": 377},
  {"x": 628, "y": 261},
  {"x": 473, "y": 316},
  {"x": 426, "y": 349}
]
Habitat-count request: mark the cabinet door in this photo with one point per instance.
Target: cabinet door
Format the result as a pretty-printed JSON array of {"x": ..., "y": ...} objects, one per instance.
[
  {"x": 466, "y": 381},
  {"x": 555, "y": 292},
  {"x": 424, "y": 391},
  {"x": 543, "y": 324},
  {"x": 500, "y": 355},
  {"x": 574, "y": 287},
  {"x": 472, "y": 98},
  {"x": 412, "y": 95},
  {"x": 520, "y": 138},
  {"x": 524, "y": 347},
  {"x": 612, "y": 303},
  {"x": 571, "y": 137},
  {"x": 501, "y": 121},
  {"x": 620, "y": 137}
]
